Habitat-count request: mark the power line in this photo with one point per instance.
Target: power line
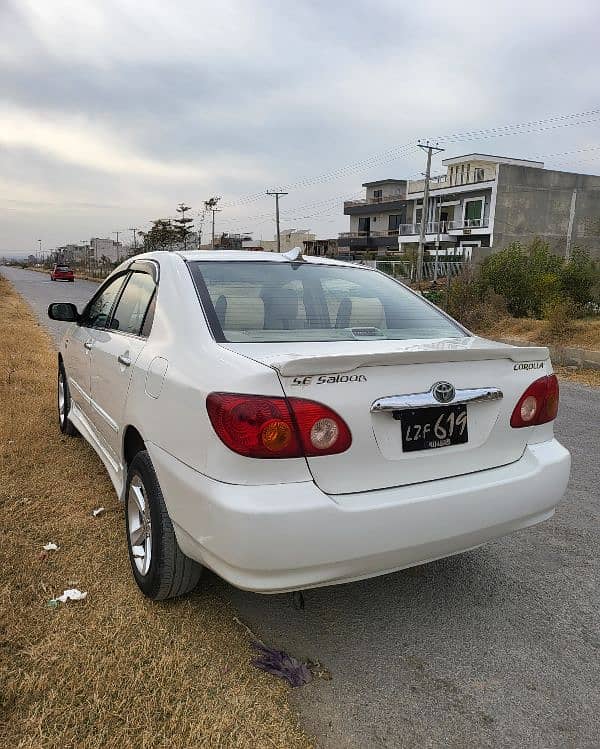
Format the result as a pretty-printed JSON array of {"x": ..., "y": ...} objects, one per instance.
[{"x": 392, "y": 154}]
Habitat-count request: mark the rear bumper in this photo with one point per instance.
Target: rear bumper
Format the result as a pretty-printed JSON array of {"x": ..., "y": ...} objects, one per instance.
[{"x": 273, "y": 538}]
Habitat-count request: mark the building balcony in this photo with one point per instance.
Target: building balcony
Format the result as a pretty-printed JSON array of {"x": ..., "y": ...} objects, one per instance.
[
  {"x": 391, "y": 198},
  {"x": 388, "y": 202},
  {"x": 442, "y": 182},
  {"x": 369, "y": 240},
  {"x": 442, "y": 227}
]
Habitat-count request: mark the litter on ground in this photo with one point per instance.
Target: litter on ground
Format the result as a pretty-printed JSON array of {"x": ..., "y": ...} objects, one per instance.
[
  {"x": 71, "y": 594},
  {"x": 98, "y": 511},
  {"x": 50, "y": 546},
  {"x": 279, "y": 663}
]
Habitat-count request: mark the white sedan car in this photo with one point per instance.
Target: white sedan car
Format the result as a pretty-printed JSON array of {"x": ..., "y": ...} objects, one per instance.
[{"x": 292, "y": 422}]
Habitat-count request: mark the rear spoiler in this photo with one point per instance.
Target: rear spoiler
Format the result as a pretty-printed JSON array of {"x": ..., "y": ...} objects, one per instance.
[{"x": 332, "y": 364}]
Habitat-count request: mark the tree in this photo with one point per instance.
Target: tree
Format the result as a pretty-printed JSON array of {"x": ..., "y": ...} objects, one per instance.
[
  {"x": 162, "y": 236},
  {"x": 183, "y": 224}
]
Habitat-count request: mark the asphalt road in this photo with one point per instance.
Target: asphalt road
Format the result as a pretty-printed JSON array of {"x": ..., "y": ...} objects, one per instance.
[
  {"x": 40, "y": 291},
  {"x": 498, "y": 647}
]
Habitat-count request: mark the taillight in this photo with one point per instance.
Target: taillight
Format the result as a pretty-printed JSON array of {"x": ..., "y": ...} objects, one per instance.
[
  {"x": 260, "y": 426},
  {"x": 538, "y": 404}
]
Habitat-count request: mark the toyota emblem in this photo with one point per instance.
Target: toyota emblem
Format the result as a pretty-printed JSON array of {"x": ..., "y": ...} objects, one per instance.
[{"x": 443, "y": 392}]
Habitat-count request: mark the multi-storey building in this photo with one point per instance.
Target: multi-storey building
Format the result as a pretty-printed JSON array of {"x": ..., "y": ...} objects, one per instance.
[
  {"x": 107, "y": 248},
  {"x": 480, "y": 204}
]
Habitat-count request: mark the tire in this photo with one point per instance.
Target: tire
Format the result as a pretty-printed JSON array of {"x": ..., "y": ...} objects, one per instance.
[
  {"x": 64, "y": 403},
  {"x": 159, "y": 567}
]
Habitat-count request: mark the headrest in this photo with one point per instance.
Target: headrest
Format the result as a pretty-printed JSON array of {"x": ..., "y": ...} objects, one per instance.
[{"x": 243, "y": 313}]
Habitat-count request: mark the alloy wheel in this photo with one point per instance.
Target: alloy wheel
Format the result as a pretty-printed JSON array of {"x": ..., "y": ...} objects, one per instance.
[
  {"x": 61, "y": 398},
  {"x": 139, "y": 525}
]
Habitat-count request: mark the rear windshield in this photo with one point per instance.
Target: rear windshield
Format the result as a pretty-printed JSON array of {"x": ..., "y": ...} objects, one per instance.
[
  {"x": 64, "y": 268},
  {"x": 260, "y": 302}
]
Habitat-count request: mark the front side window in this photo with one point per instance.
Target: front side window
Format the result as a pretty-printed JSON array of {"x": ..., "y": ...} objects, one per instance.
[
  {"x": 260, "y": 302},
  {"x": 131, "y": 309},
  {"x": 98, "y": 310}
]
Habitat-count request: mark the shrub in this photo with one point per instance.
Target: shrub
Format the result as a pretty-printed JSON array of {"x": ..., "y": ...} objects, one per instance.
[
  {"x": 560, "y": 319},
  {"x": 580, "y": 278},
  {"x": 437, "y": 296},
  {"x": 476, "y": 308},
  {"x": 506, "y": 273},
  {"x": 531, "y": 277}
]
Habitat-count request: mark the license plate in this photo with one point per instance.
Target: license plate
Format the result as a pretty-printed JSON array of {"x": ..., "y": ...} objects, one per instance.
[{"x": 428, "y": 428}]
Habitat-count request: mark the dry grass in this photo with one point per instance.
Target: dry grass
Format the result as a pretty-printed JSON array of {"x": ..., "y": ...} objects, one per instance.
[
  {"x": 114, "y": 670},
  {"x": 584, "y": 334},
  {"x": 589, "y": 377}
]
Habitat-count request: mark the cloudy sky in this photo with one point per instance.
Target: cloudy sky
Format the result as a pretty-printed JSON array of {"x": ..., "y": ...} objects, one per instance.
[{"x": 113, "y": 111}]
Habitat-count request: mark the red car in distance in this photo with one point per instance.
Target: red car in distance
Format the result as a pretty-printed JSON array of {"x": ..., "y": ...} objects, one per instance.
[{"x": 62, "y": 273}]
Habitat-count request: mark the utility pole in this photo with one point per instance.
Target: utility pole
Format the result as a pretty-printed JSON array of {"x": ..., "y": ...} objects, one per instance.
[
  {"x": 429, "y": 148},
  {"x": 437, "y": 236},
  {"x": 134, "y": 230},
  {"x": 40, "y": 241},
  {"x": 202, "y": 216},
  {"x": 277, "y": 193},
  {"x": 211, "y": 205}
]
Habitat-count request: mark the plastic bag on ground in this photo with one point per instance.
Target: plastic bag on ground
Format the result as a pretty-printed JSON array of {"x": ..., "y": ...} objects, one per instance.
[{"x": 279, "y": 663}]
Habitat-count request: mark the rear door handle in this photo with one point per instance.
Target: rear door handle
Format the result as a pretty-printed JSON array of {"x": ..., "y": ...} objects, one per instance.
[
  {"x": 88, "y": 345},
  {"x": 124, "y": 360}
]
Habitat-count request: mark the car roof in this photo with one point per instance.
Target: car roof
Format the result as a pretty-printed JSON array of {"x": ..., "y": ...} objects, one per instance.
[{"x": 251, "y": 255}]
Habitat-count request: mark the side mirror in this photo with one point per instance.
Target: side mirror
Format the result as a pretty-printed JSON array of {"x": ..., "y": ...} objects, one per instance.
[{"x": 63, "y": 311}]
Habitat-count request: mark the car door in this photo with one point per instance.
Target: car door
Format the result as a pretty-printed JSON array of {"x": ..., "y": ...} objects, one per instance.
[
  {"x": 78, "y": 344},
  {"x": 115, "y": 351}
]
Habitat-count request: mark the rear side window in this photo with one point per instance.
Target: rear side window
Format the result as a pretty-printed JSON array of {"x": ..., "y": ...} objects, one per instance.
[
  {"x": 131, "y": 310},
  {"x": 268, "y": 301}
]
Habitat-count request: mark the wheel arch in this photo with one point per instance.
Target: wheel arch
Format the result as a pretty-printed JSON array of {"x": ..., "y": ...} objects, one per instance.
[{"x": 133, "y": 443}]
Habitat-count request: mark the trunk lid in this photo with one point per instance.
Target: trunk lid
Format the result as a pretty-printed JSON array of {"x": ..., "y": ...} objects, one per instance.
[{"x": 350, "y": 376}]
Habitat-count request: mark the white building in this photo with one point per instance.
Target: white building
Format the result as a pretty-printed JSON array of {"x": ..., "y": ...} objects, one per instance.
[
  {"x": 290, "y": 238},
  {"x": 108, "y": 248},
  {"x": 480, "y": 202}
]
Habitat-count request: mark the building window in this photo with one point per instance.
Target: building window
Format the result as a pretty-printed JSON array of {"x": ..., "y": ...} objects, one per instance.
[
  {"x": 473, "y": 212},
  {"x": 478, "y": 175},
  {"x": 468, "y": 171},
  {"x": 364, "y": 224},
  {"x": 393, "y": 223},
  {"x": 462, "y": 173},
  {"x": 377, "y": 194}
]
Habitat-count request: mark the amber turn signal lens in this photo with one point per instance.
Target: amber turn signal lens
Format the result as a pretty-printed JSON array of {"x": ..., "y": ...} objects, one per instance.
[{"x": 276, "y": 435}]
